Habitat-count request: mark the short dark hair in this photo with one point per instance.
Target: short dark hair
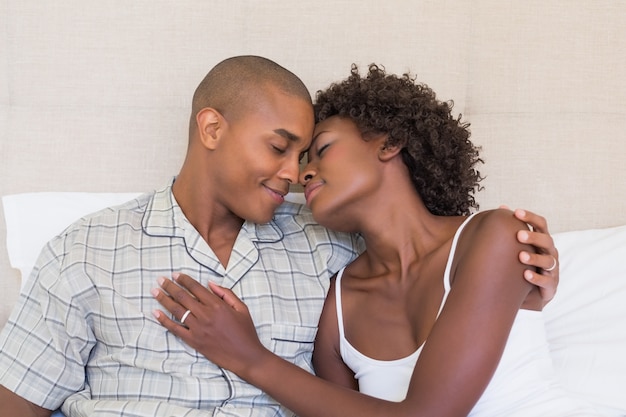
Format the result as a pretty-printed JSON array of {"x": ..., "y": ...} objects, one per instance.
[
  {"x": 435, "y": 146},
  {"x": 233, "y": 85}
]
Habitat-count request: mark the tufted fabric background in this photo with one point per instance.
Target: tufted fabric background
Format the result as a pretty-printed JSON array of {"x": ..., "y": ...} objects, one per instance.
[{"x": 95, "y": 96}]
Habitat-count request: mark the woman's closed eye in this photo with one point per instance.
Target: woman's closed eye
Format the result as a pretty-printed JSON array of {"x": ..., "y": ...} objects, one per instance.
[{"x": 322, "y": 148}]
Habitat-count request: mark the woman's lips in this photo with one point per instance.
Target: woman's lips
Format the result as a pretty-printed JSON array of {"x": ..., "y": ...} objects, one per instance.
[{"x": 309, "y": 190}]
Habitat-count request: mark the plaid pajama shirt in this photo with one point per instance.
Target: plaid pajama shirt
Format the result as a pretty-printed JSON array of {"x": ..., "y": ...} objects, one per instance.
[{"x": 83, "y": 334}]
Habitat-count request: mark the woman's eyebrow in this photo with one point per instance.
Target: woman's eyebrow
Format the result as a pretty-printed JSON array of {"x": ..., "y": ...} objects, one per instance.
[{"x": 317, "y": 135}]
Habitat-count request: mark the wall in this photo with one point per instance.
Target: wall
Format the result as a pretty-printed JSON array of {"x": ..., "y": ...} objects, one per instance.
[{"x": 94, "y": 96}]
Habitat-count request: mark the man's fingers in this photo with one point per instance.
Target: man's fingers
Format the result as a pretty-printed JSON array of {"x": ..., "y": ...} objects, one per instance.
[
  {"x": 547, "y": 284},
  {"x": 544, "y": 261},
  {"x": 541, "y": 241},
  {"x": 538, "y": 222}
]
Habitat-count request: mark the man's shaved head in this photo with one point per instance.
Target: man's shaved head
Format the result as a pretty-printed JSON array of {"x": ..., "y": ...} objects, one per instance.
[{"x": 234, "y": 85}]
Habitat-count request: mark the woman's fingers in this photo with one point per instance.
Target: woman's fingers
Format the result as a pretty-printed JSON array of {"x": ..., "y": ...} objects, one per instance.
[
  {"x": 173, "y": 326},
  {"x": 187, "y": 300},
  {"x": 173, "y": 298},
  {"x": 228, "y": 296},
  {"x": 193, "y": 287}
]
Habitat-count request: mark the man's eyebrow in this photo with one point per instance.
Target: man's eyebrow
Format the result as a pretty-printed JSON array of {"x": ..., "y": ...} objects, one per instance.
[{"x": 287, "y": 134}]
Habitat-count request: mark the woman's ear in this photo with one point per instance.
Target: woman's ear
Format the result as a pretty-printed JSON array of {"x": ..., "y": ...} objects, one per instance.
[
  {"x": 387, "y": 152},
  {"x": 210, "y": 124}
]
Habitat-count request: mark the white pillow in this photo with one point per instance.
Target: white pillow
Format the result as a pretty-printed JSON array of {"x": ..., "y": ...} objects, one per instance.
[
  {"x": 586, "y": 321},
  {"x": 296, "y": 198},
  {"x": 33, "y": 219}
]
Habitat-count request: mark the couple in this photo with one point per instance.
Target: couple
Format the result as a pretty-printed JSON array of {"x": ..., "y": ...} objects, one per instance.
[
  {"x": 432, "y": 315},
  {"x": 83, "y": 336}
]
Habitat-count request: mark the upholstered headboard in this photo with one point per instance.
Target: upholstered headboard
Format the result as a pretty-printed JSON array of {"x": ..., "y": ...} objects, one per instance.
[{"x": 95, "y": 97}]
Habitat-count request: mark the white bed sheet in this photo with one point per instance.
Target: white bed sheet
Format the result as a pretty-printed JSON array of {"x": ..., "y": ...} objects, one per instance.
[{"x": 585, "y": 322}]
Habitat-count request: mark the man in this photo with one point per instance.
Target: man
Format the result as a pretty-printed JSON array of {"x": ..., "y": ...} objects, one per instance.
[{"x": 83, "y": 335}]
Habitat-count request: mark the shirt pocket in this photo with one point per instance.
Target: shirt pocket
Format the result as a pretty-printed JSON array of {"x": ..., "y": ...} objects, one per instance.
[{"x": 294, "y": 343}]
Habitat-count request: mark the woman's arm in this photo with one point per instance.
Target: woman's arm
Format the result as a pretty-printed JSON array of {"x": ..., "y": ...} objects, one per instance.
[
  {"x": 457, "y": 362},
  {"x": 220, "y": 327},
  {"x": 327, "y": 359},
  {"x": 466, "y": 343},
  {"x": 12, "y": 404}
]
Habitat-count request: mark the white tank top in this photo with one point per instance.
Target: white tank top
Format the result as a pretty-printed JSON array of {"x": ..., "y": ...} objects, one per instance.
[{"x": 523, "y": 385}]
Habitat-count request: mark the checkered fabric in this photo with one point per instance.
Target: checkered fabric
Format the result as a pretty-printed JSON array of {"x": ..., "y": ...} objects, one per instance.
[{"x": 83, "y": 334}]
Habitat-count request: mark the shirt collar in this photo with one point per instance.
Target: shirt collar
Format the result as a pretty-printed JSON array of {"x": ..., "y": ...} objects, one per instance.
[{"x": 164, "y": 217}]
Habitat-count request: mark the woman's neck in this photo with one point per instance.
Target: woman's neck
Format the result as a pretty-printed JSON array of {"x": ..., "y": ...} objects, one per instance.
[{"x": 403, "y": 232}]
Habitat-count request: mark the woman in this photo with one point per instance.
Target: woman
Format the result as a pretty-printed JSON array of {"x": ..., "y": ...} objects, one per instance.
[{"x": 432, "y": 319}]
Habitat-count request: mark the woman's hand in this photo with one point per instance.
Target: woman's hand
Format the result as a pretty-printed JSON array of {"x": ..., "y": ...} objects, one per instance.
[
  {"x": 213, "y": 321},
  {"x": 545, "y": 261}
]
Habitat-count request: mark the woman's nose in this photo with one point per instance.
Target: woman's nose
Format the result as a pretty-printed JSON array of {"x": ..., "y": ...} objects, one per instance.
[{"x": 307, "y": 174}]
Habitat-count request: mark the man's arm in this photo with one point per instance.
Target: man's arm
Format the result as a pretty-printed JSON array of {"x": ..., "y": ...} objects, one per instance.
[{"x": 12, "y": 404}]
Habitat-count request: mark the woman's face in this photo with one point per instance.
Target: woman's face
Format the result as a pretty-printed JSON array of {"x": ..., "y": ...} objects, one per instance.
[{"x": 343, "y": 170}]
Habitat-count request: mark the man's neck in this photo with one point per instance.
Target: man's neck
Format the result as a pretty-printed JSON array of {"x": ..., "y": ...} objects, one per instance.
[{"x": 219, "y": 228}]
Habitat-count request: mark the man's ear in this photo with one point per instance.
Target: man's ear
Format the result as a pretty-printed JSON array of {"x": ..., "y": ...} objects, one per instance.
[{"x": 210, "y": 124}]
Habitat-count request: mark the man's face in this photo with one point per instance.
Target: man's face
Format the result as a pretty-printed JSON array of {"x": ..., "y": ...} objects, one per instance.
[{"x": 260, "y": 152}]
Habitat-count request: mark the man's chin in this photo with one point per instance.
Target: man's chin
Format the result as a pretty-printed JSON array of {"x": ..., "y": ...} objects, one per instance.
[{"x": 261, "y": 218}]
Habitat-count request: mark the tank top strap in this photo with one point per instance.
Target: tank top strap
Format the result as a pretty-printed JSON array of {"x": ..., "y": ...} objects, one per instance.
[
  {"x": 446, "y": 274},
  {"x": 446, "y": 278},
  {"x": 338, "y": 306}
]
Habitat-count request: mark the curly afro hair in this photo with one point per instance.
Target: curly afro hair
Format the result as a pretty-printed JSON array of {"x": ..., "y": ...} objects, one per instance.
[{"x": 435, "y": 146}]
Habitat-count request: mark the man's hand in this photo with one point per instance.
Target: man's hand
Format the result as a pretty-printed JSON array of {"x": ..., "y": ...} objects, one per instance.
[{"x": 545, "y": 262}]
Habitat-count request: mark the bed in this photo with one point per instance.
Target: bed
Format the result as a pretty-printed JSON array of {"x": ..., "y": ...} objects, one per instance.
[
  {"x": 94, "y": 105},
  {"x": 585, "y": 322}
]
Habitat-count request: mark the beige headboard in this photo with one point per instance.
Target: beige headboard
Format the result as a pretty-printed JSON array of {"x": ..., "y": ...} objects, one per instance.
[{"x": 94, "y": 96}]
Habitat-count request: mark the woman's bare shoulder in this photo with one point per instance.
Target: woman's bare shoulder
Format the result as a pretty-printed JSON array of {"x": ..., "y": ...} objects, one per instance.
[
  {"x": 492, "y": 228},
  {"x": 489, "y": 245}
]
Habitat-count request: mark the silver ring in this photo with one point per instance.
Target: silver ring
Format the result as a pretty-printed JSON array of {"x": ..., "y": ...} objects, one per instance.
[
  {"x": 553, "y": 265},
  {"x": 184, "y": 317}
]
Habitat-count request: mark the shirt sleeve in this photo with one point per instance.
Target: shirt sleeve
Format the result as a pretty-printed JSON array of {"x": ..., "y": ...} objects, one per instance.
[
  {"x": 47, "y": 340},
  {"x": 346, "y": 247}
]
